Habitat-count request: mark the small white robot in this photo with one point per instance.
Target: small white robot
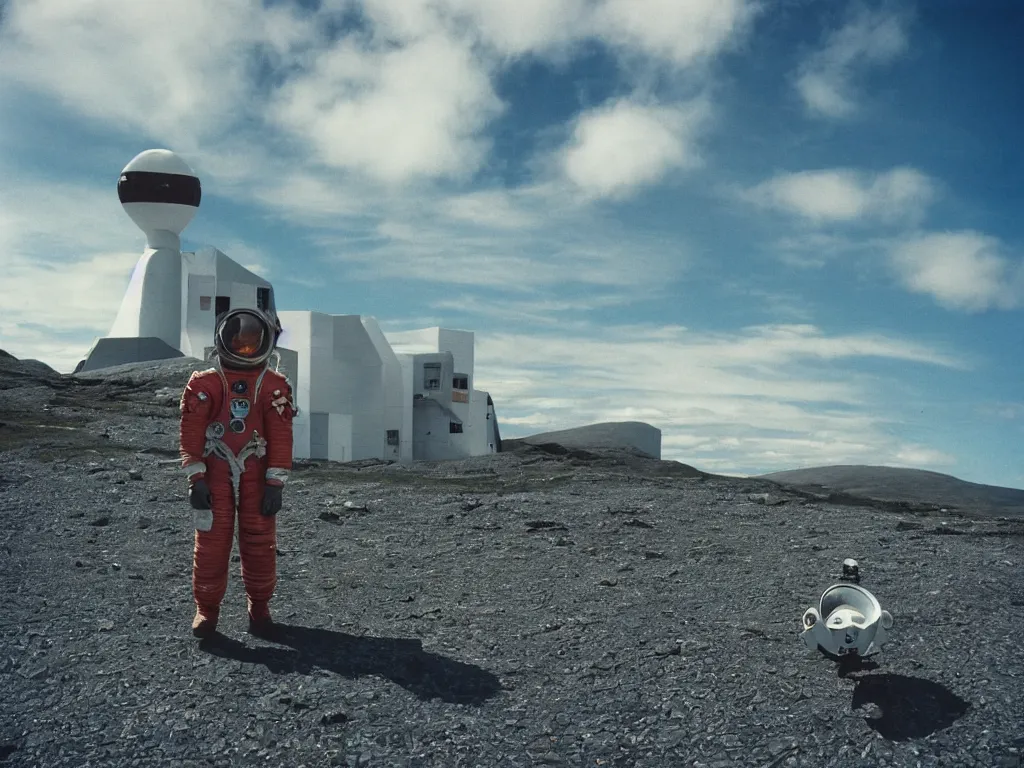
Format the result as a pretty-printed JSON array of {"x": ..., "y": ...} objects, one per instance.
[{"x": 848, "y": 622}]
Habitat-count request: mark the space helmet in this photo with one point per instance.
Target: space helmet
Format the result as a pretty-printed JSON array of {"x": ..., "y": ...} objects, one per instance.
[
  {"x": 848, "y": 621},
  {"x": 246, "y": 338}
]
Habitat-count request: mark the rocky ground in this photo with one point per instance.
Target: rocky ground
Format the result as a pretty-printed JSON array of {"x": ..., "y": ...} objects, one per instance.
[{"x": 540, "y": 607}]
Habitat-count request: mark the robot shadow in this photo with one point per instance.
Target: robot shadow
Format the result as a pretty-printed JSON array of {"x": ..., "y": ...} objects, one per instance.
[
  {"x": 912, "y": 707},
  {"x": 402, "y": 661}
]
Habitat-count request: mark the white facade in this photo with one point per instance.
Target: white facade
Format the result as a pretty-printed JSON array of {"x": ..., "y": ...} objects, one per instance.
[
  {"x": 359, "y": 399},
  {"x": 440, "y": 363},
  {"x": 209, "y": 284},
  {"x": 185, "y": 292}
]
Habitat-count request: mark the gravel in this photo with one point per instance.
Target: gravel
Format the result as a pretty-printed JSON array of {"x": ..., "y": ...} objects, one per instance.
[{"x": 539, "y": 607}]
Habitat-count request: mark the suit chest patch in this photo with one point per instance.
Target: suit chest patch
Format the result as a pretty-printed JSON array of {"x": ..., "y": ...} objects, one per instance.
[{"x": 239, "y": 407}]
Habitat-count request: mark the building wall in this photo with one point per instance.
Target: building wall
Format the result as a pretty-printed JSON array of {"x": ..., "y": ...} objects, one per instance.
[
  {"x": 460, "y": 344},
  {"x": 344, "y": 392},
  {"x": 432, "y": 440},
  {"x": 208, "y": 274},
  {"x": 395, "y": 408},
  {"x": 151, "y": 306},
  {"x": 355, "y": 384},
  {"x": 359, "y": 382}
]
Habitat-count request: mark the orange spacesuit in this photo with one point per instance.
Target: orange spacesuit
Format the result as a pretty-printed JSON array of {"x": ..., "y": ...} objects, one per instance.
[{"x": 236, "y": 448}]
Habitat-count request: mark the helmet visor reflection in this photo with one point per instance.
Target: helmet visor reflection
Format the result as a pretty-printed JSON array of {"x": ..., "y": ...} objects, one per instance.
[{"x": 243, "y": 335}]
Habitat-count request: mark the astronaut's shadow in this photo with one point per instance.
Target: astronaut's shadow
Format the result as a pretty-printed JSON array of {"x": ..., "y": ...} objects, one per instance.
[
  {"x": 403, "y": 661},
  {"x": 911, "y": 707}
]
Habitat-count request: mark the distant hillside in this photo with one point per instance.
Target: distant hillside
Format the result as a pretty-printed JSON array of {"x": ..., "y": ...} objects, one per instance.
[
  {"x": 634, "y": 436},
  {"x": 15, "y": 372},
  {"x": 915, "y": 486}
]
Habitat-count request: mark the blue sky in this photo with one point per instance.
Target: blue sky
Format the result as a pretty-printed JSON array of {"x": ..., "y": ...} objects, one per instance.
[{"x": 786, "y": 233}]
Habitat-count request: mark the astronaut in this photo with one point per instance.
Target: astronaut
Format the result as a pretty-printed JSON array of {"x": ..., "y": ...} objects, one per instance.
[{"x": 236, "y": 449}]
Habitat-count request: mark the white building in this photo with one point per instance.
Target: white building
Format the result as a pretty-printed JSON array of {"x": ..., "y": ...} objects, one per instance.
[
  {"x": 439, "y": 362},
  {"x": 358, "y": 396},
  {"x": 405, "y": 397}
]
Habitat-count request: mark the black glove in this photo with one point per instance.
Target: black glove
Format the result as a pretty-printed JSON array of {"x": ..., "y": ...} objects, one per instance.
[
  {"x": 199, "y": 494},
  {"x": 272, "y": 500}
]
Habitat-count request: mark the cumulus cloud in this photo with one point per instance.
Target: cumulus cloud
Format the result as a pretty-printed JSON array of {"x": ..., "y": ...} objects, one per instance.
[
  {"x": 844, "y": 194},
  {"x": 679, "y": 32},
  {"x": 826, "y": 80},
  {"x": 406, "y": 95},
  {"x": 965, "y": 270},
  {"x": 621, "y": 146},
  {"x": 526, "y": 26},
  {"x": 394, "y": 114},
  {"x": 177, "y": 72}
]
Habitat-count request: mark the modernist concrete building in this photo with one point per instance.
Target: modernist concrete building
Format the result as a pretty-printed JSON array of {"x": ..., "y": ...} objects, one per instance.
[
  {"x": 360, "y": 394},
  {"x": 440, "y": 365},
  {"x": 404, "y": 397}
]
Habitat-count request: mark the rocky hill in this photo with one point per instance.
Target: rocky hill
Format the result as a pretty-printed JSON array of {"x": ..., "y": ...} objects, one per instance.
[
  {"x": 634, "y": 437},
  {"x": 909, "y": 487},
  {"x": 543, "y": 606}
]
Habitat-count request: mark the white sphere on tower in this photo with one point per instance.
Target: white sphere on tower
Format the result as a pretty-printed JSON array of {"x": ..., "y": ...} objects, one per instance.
[{"x": 161, "y": 195}]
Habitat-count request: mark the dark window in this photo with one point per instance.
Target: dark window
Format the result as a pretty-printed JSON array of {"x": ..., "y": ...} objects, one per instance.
[
  {"x": 392, "y": 437},
  {"x": 223, "y": 305},
  {"x": 460, "y": 382},
  {"x": 154, "y": 187},
  {"x": 263, "y": 299},
  {"x": 204, "y": 303},
  {"x": 432, "y": 376},
  {"x": 454, "y": 427}
]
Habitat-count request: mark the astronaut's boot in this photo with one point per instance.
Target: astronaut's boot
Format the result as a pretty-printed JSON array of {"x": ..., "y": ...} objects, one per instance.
[
  {"x": 205, "y": 622},
  {"x": 261, "y": 623}
]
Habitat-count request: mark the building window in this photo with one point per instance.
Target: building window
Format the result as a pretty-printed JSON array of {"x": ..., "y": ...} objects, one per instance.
[
  {"x": 432, "y": 376},
  {"x": 223, "y": 305},
  {"x": 460, "y": 382},
  {"x": 263, "y": 299},
  {"x": 392, "y": 437},
  {"x": 454, "y": 427},
  {"x": 205, "y": 302}
]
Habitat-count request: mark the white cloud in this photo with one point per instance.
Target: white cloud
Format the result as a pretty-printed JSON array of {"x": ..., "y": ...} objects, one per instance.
[
  {"x": 965, "y": 270},
  {"x": 176, "y": 72},
  {"x": 415, "y": 111},
  {"x": 1006, "y": 411},
  {"x": 68, "y": 252},
  {"x": 679, "y": 32},
  {"x": 490, "y": 208},
  {"x": 751, "y": 401},
  {"x": 844, "y": 195},
  {"x": 525, "y": 26},
  {"x": 621, "y": 146},
  {"x": 549, "y": 312},
  {"x": 433, "y": 251},
  {"x": 914, "y": 456},
  {"x": 408, "y": 98},
  {"x": 825, "y": 80}
]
